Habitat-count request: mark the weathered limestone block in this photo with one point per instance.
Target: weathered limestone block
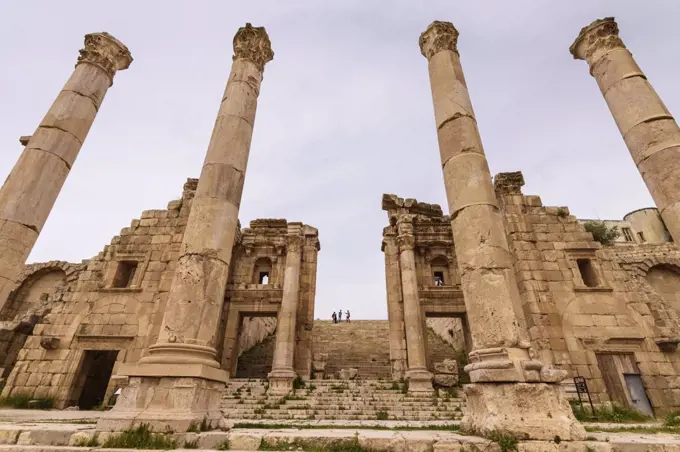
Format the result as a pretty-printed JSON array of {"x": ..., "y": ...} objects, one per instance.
[
  {"x": 448, "y": 366},
  {"x": 49, "y": 343},
  {"x": 445, "y": 380},
  {"x": 529, "y": 410},
  {"x": 347, "y": 374}
]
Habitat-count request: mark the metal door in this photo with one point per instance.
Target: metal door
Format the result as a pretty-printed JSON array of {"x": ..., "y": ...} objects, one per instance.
[{"x": 638, "y": 395}]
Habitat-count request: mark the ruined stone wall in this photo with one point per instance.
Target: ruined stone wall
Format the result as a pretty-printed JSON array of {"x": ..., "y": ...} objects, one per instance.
[
  {"x": 450, "y": 330},
  {"x": 115, "y": 301},
  {"x": 580, "y": 303}
]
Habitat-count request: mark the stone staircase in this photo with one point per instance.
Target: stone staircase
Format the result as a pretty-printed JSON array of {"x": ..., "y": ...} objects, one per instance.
[
  {"x": 338, "y": 400},
  {"x": 361, "y": 344}
]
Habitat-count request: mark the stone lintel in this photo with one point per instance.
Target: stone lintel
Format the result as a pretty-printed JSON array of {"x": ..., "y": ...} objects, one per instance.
[{"x": 173, "y": 370}]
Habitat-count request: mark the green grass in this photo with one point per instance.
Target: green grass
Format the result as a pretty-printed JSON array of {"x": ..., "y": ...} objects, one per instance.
[
  {"x": 21, "y": 401},
  {"x": 224, "y": 445},
  {"x": 141, "y": 437},
  {"x": 191, "y": 444},
  {"x": 92, "y": 441},
  {"x": 634, "y": 429},
  {"x": 672, "y": 419},
  {"x": 381, "y": 415},
  {"x": 506, "y": 442},
  {"x": 338, "y": 445},
  {"x": 613, "y": 413}
]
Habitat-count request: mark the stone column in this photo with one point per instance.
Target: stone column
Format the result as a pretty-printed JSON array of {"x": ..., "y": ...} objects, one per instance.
[
  {"x": 395, "y": 308},
  {"x": 419, "y": 378},
  {"x": 507, "y": 393},
  {"x": 283, "y": 371},
  {"x": 179, "y": 381},
  {"x": 31, "y": 189},
  {"x": 647, "y": 127}
]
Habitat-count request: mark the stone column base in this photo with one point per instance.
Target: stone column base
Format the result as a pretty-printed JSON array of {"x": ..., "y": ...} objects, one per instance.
[
  {"x": 165, "y": 404},
  {"x": 537, "y": 411},
  {"x": 419, "y": 381},
  {"x": 281, "y": 381}
]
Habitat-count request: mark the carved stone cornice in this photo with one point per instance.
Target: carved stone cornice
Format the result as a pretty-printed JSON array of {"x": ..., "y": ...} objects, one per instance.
[
  {"x": 438, "y": 36},
  {"x": 253, "y": 44},
  {"x": 105, "y": 52},
  {"x": 600, "y": 36}
]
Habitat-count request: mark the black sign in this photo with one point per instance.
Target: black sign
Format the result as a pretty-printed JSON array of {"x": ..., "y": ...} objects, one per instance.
[{"x": 582, "y": 388}]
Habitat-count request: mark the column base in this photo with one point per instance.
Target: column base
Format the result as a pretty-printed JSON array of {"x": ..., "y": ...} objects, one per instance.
[
  {"x": 419, "y": 381},
  {"x": 281, "y": 381},
  {"x": 538, "y": 411},
  {"x": 165, "y": 404}
]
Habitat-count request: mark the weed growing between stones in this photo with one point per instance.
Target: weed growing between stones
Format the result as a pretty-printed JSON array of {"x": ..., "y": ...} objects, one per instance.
[
  {"x": 191, "y": 444},
  {"x": 506, "y": 442},
  {"x": 342, "y": 445},
  {"x": 274, "y": 426},
  {"x": 299, "y": 383},
  {"x": 672, "y": 419},
  {"x": 92, "y": 441},
  {"x": 613, "y": 413},
  {"x": 381, "y": 415},
  {"x": 141, "y": 437},
  {"x": 26, "y": 401},
  {"x": 224, "y": 445},
  {"x": 203, "y": 426}
]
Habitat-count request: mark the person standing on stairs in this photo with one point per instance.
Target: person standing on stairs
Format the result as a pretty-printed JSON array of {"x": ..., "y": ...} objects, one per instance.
[
  {"x": 334, "y": 317},
  {"x": 347, "y": 316},
  {"x": 340, "y": 316}
]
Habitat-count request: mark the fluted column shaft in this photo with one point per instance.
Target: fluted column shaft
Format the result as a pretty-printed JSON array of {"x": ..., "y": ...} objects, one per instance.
[
  {"x": 284, "y": 350},
  {"x": 418, "y": 375},
  {"x": 190, "y": 325},
  {"x": 484, "y": 260},
  {"x": 32, "y": 187},
  {"x": 649, "y": 130}
]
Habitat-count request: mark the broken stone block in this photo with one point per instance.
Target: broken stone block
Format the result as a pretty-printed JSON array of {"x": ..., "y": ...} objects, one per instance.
[
  {"x": 49, "y": 342},
  {"x": 448, "y": 366},
  {"x": 347, "y": 374},
  {"x": 445, "y": 380}
]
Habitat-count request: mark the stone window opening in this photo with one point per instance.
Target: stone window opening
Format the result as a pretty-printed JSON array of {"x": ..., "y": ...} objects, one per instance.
[
  {"x": 125, "y": 274},
  {"x": 627, "y": 234},
  {"x": 440, "y": 272},
  {"x": 641, "y": 236},
  {"x": 262, "y": 273},
  {"x": 588, "y": 274}
]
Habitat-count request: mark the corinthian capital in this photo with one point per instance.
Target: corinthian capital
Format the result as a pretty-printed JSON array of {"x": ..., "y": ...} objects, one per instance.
[
  {"x": 106, "y": 52},
  {"x": 438, "y": 36},
  {"x": 406, "y": 242},
  {"x": 293, "y": 243},
  {"x": 596, "y": 39},
  {"x": 253, "y": 44}
]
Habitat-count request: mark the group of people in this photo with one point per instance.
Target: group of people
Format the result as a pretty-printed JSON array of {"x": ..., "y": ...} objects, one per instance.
[{"x": 338, "y": 317}]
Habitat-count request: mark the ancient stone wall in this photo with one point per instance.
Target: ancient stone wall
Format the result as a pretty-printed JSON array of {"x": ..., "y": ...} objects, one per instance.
[
  {"x": 582, "y": 306},
  {"x": 115, "y": 303}
]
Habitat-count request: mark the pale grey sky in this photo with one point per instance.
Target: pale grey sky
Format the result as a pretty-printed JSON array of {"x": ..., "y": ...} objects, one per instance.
[{"x": 344, "y": 115}]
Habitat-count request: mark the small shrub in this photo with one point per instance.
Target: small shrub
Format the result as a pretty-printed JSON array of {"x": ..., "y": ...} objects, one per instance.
[
  {"x": 224, "y": 445},
  {"x": 395, "y": 386},
  {"x": 92, "y": 441},
  {"x": 141, "y": 437},
  {"x": 299, "y": 383},
  {"x": 601, "y": 232},
  {"x": 579, "y": 411},
  {"x": 404, "y": 387},
  {"x": 672, "y": 419},
  {"x": 381, "y": 415},
  {"x": 191, "y": 444},
  {"x": 26, "y": 401},
  {"x": 562, "y": 212},
  {"x": 618, "y": 414},
  {"x": 506, "y": 442}
]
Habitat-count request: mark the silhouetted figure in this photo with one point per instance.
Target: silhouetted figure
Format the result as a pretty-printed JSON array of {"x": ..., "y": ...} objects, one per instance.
[
  {"x": 334, "y": 317},
  {"x": 347, "y": 316},
  {"x": 340, "y": 316}
]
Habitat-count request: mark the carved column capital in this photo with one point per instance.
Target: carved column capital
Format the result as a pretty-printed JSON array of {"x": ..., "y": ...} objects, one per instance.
[
  {"x": 293, "y": 243},
  {"x": 437, "y": 37},
  {"x": 596, "y": 39},
  {"x": 407, "y": 242},
  {"x": 253, "y": 44},
  {"x": 105, "y": 52}
]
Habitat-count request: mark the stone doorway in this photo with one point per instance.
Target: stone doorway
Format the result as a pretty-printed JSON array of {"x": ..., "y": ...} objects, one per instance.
[
  {"x": 623, "y": 381},
  {"x": 93, "y": 377}
]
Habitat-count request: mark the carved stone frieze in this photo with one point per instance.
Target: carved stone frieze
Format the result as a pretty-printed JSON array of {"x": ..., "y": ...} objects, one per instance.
[
  {"x": 253, "y": 44},
  {"x": 438, "y": 36},
  {"x": 106, "y": 52}
]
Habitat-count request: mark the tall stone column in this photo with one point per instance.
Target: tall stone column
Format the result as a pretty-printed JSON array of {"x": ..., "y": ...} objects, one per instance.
[
  {"x": 179, "y": 381},
  {"x": 395, "y": 309},
  {"x": 283, "y": 371},
  {"x": 31, "y": 189},
  {"x": 511, "y": 390},
  {"x": 419, "y": 378},
  {"x": 647, "y": 127}
]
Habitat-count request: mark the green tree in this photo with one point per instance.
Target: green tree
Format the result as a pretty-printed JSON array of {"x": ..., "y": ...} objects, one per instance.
[{"x": 601, "y": 232}]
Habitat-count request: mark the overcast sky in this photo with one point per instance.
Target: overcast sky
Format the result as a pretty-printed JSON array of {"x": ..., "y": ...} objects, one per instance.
[{"x": 345, "y": 113}]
